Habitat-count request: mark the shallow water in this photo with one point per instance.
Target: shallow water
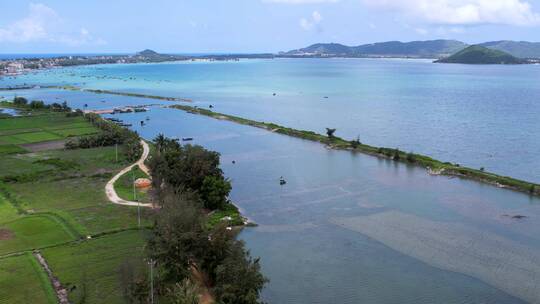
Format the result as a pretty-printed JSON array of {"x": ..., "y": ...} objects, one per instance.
[
  {"x": 479, "y": 116},
  {"x": 307, "y": 253}
]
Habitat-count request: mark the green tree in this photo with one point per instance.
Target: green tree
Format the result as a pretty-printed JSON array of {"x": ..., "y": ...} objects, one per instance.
[
  {"x": 20, "y": 101},
  {"x": 178, "y": 238},
  {"x": 37, "y": 104},
  {"x": 189, "y": 165},
  {"x": 356, "y": 142},
  {"x": 238, "y": 278},
  {"x": 330, "y": 132},
  {"x": 214, "y": 192}
]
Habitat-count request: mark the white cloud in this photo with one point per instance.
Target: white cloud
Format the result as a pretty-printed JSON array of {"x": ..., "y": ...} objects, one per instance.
[
  {"x": 43, "y": 24},
  {"x": 316, "y": 17},
  {"x": 305, "y": 24},
  {"x": 308, "y": 24},
  {"x": 462, "y": 12},
  {"x": 301, "y": 1}
]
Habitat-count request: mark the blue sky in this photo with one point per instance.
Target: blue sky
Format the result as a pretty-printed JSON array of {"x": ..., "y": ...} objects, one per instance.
[{"x": 187, "y": 26}]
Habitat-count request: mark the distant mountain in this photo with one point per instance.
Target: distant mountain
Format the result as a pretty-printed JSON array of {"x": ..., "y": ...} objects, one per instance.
[
  {"x": 323, "y": 49},
  {"x": 430, "y": 48},
  {"x": 426, "y": 49},
  {"x": 148, "y": 53},
  {"x": 476, "y": 54},
  {"x": 521, "y": 49},
  {"x": 415, "y": 49}
]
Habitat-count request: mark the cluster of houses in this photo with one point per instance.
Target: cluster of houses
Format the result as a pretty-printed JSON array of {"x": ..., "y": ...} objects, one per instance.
[
  {"x": 18, "y": 66},
  {"x": 12, "y": 68}
]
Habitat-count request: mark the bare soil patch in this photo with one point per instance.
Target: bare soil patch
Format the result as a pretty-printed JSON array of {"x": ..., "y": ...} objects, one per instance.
[
  {"x": 6, "y": 234},
  {"x": 46, "y": 145}
]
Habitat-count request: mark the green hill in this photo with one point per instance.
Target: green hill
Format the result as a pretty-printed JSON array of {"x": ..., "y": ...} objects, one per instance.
[
  {"x": 476, "y": 54},
  {"x": 148, "y": 53},
  {"x": 423, "y": 49}
]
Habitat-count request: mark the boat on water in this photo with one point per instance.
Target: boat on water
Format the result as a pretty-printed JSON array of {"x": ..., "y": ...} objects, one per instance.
[{"x": 187, "y": 138}]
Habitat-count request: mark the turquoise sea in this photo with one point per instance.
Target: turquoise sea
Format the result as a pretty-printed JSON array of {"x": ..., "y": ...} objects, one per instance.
[
  {"x": 351, "y": 228},
  {"x": 479, "y": 116}
]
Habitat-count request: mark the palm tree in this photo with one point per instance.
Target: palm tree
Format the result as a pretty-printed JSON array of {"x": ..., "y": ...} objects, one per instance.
[
  {"x": 160, "y": 141},
  {"x": 330, "y": 132}
]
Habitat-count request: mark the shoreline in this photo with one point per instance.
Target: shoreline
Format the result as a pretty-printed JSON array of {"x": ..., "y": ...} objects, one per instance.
[{"x": 433, "y": 166}]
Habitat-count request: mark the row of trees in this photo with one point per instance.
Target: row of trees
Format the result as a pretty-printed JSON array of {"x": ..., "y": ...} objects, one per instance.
[
  {"x": 110, "y": 134},
  {"x": 193, "y": 258},
  {"x": 39, "y": 104}
]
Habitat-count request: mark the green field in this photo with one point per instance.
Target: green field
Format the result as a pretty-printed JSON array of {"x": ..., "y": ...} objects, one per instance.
[
  {"x": 52, "y": 200},
  {"x": 41, "y": 127},
  {"x": 124, "y": 186},
  {"x": 35, "y": 231},
  {"x": 92, "y": 267},
  {"x": 23, "y": 281},
  {"x": 7, "y": 211},
  {"x": 11, "y": 149}
]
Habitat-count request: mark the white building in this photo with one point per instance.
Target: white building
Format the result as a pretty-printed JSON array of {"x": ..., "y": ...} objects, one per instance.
[{"x": 14, "y": 68}]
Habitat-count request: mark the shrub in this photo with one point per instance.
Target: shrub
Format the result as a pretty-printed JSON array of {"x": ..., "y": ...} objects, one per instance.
[
  {"x": 330, "y": 132},
  {"x": 396, "y": 155},
  {"x": 20, "y": 101},
  {"x": 37, "y": 104},
  {"x": 356, "y": 142}
]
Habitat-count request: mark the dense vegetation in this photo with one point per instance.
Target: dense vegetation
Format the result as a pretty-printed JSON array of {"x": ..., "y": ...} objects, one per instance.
[
  {"x": 476, "y": 54},
  {"x": 21, "y": 102},
  {"x": 433, "y": 165},
  {"x": 111, "y": 134},
  {"x": 192, "y": 256}
]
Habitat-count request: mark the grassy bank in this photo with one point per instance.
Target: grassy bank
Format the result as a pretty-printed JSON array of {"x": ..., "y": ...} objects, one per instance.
[
  {"x": 129, "y": 94},
  {"x": 432, "y": 165}
]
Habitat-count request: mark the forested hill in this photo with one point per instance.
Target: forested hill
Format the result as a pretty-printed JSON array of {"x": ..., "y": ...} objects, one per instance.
[
  {"x": 477, "y": 54},
  {"x": 414, "y": 49}
]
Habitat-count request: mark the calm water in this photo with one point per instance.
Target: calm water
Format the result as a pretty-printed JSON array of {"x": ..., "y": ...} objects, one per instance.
[
  {"x": 310, "y": 258},
  {"x": 350, "y": 228},
  {"x": 479, "y": 116}
]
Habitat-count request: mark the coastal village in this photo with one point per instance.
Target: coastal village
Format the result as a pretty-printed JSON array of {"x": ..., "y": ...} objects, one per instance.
[{"x": 14, "y": 67}]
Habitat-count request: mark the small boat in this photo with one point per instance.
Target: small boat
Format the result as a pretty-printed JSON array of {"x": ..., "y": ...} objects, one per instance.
[
  {"x": 282, "y": 181},
  {"x": 187, "y": 138}
]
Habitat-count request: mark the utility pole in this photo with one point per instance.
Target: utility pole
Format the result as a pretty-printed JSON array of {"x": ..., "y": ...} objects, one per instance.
[
  {"x": 116, "y": 149},
  {"x": 135, "y": 198},
  {"x": 151, "y": 281}
]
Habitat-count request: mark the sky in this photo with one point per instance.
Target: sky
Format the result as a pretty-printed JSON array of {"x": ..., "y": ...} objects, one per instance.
[{"x": 253, "y": 26}]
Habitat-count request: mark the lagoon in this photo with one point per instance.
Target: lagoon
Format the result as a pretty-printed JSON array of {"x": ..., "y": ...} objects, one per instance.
[
  {"x": 477, "y": 116},
  {"x": 313, "y": 254}
]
